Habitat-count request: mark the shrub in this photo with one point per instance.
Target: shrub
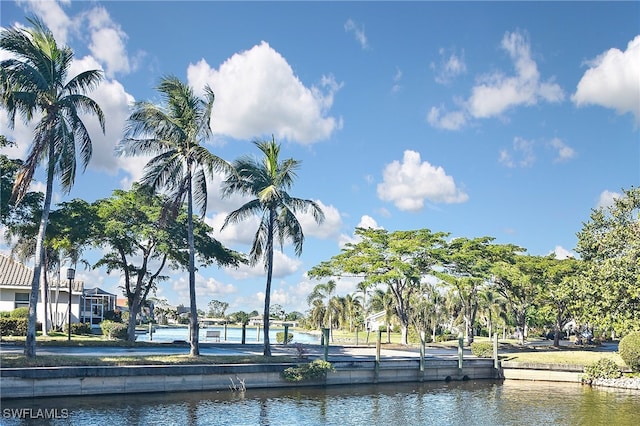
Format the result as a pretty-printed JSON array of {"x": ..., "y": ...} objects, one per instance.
[
  {"x": 603, "y": 368},
  {"x": 13, "y": 326},
  {"x": 280, "y": 337},
  {"x": 78, "y": 328},
  {"x": 315, "y": 370},
  {"x": 629, "y": 349},
  {"x": 482, "y": 349},
  {"x": 5, "y": 314},
  {"x": 20, "y": 312},
  {"x": 113, "y": 330},
  {"x": 446, "y": 337}
]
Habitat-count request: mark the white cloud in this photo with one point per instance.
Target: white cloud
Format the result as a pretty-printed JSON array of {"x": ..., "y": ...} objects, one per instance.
[
  {"x": 612, "y": 81},
  {"x": 561, "y": 253},
  {"x": 115, "y": 104},
  {"x": 108, "y": 42},
  {"x": 451, "y": 65},
  {"x": 607, "y": 199},
  {"x": 206, "y": 288},
  {"x": 496, "y": 92},
  {"x": 520, "y": 155},
  {"x": 283, "y": 266},
  {"x": 366, "y": 222},
  {"x": 409, "y": 183},
  {"x": 53, "y": 16},
  {"x": 564, "y": 152},
  {"x": 257, "y": 94},
  {"x": 358, "y": 32},
  {"x": 397, "y": 78},
  {"x": 330, "y": 228},
  {"x": 446, "y": 120}
]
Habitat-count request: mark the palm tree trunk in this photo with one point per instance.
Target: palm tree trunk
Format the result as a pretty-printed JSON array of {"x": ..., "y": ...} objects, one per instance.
[
  {"x": 195, "y": 346},
  {"x": 267, "y": 295},
  {"x": 30, "y": 341}
]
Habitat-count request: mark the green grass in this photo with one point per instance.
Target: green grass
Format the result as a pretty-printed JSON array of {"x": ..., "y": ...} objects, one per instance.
[
  {"x": 576, "y": 357},
  {"x": 20, "y": 361}
]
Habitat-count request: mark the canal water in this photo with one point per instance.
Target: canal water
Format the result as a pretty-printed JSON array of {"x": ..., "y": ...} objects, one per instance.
[
  {"x": 431, "y": 403},
  {"x": 254, "y": 334}
]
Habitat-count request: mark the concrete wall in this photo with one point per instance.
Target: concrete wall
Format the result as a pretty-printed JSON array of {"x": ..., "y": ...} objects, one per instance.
[
  {"x": 66, "y": 381},
  {"x": 541, "y": 372}
]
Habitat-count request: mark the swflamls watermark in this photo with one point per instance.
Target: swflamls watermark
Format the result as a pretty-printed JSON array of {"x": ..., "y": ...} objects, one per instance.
[{"x": 35, "y": 413}]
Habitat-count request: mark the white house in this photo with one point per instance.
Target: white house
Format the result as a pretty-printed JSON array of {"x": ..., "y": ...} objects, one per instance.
[
  {"x": 15, "y": 288},
  {"x": 374, "y": 321}
]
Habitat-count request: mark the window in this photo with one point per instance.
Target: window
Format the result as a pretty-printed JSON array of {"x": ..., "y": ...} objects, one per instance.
[{"x": 21, "y": 300}]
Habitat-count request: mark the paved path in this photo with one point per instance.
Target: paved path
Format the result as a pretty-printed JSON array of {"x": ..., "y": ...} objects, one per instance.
[{"x": 336, "y": 352}]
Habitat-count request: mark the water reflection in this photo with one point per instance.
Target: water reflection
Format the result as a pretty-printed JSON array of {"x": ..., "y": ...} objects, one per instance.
[{"x": 432, "y": 403}]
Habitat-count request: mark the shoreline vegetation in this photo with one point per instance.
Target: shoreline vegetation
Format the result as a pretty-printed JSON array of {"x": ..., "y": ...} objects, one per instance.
[{"x": 509, "y": 350}]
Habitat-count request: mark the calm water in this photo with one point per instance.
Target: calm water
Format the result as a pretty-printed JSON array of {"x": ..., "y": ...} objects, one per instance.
[
  {"x": 432, "y": 403},
  {"x": 234, "y": 335}
]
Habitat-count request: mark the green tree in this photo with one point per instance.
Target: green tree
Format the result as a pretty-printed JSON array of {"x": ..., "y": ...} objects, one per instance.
[
  {"x": 35, "y": 80},
  {"x": 467, "y": 269},
  {"x": 397, "y": 259},
  {"x": 269, "y": 181},
  {"x": 520, "y": 282},
  {"x": 240, "y": 317},
  {"x": 175, "y": 133},
  {"x": 609, "y": 244},
  {"x": 561, "y": 278},
  {"x": 319, "y": 299},
  {"x": 217, "y": 308},
  {"x": 130, "y": 229},
  {"x": 383, "y": 300}
]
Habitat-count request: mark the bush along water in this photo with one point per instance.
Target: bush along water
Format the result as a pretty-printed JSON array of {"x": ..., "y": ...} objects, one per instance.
[
  {"x": 603, "y": 368},
  {"x": 315, "y": 370},
  {"x": 482, "y": 349},
  {"x": 629, "y": 349}
]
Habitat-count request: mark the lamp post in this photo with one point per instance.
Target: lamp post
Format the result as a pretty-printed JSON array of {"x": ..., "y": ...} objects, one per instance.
[{"x": 71, "y": 273}]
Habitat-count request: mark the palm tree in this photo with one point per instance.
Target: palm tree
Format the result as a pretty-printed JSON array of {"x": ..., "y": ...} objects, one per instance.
[
  {"x": 384, "y": 301},
  {"x": 174, "y": 133},
  {"x": 317, "y": 300},
  {"x": 269, "y": 181},
  {"x": 35, "y": 81}
]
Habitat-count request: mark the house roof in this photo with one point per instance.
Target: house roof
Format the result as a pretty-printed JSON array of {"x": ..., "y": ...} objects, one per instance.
[
  {"x": 96, "y": 292},
  {"x": 15, "y": 274}
]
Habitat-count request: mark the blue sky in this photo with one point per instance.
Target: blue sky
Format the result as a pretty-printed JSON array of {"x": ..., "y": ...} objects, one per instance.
[{"x": 511, "y": 120}]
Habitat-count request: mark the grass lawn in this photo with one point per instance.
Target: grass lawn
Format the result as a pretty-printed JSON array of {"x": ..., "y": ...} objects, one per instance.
[{"x": 509, "y": 350}]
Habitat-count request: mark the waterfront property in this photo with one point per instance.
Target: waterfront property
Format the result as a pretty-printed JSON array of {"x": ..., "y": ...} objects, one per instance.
[{"x": 87, "y": 305}]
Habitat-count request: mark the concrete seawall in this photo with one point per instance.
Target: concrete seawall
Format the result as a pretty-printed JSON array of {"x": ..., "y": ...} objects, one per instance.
[{"x": 67, "y": 381}]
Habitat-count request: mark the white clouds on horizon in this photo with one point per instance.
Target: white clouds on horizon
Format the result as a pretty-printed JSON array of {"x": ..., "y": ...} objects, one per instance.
[
  {"x": 612, "y": 81},
  {"x": 257, "y": 94},
  {"x": 495, "y": 93},
  {"x": 409, "y": 183}
]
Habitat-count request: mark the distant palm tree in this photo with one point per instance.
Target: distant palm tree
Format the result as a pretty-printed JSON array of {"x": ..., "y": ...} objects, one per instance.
[
  {"x": 384, "y": 301},
  {"x": 319, "y": 293},
  {"x": 174, "y": 132},
  {"x": 35, "y": 80},
  {"x": 269, "y": 181}
]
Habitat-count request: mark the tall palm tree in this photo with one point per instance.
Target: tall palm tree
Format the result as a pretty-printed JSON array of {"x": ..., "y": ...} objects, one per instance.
[
  {"x": 35, "y": 82},
  {"x": 268, "y": 182},
  {"x": 174, "y": 133}
]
